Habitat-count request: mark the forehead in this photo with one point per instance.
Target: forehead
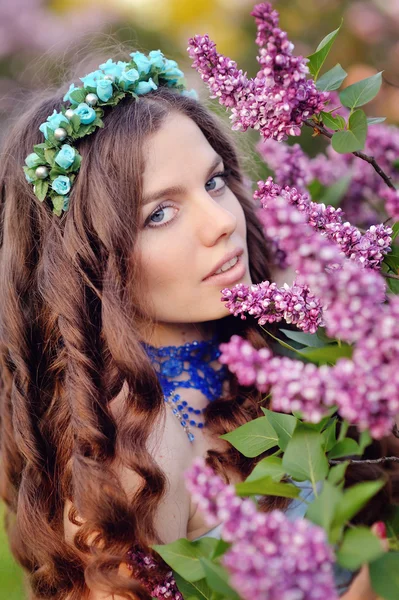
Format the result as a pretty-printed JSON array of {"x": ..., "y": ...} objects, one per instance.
[{"x": 177, "y": 148}]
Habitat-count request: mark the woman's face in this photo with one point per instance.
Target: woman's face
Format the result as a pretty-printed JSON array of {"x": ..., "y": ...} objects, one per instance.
[{"x": 187, "y": 233}]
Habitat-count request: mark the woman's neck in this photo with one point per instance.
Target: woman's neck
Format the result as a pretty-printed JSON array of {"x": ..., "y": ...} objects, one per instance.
[{"x": 177, "y": 334}]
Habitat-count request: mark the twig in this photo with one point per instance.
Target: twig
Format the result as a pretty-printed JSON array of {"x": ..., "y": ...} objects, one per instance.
[
  {"x": 369, "y": 461},
  {"x": 389, "y": 275},
  {"x": 370, "y": 159}
]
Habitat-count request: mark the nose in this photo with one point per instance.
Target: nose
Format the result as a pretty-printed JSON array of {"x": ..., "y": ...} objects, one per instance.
[{"x": 213, "y": 220}]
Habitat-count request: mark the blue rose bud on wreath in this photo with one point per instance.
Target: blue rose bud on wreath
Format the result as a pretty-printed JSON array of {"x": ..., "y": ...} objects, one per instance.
[
  {"x": 61, "y": 185},
  {"x": 104, "y": 89},
  {"x": 65, "y": 156},
  {"x": 128, "y": 79},
  {"x": 92, "y": 79},
  {"x": 67, "y": 97},
  {"x": 157, "y": 59},
  {"x": 53, "y": 121},
  {"x": 145, "y": 86},
  {"x": 112, "y": 68},
  {"x": 33, "y": 160},
  {"x": 86, "y": 113},
  {"x": 142, "y": 62}
]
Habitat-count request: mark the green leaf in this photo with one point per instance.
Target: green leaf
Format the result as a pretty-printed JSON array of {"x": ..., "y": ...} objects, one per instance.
[
  {"x": 219, "y": 549},
  {"x": 218, "y": 579},
  {"x": 76, "y": 162},
  {"x": 331, "y": 122},
  {"x": 355, "y": 137},
  {"x": 40, "y": 189},
  {"x": 355, "y": 498},
  {"x": 328, "y": 355},
  {"x": 336, "y": 191},
  {"x": 304, "y": 458},
  {"x": 337, "y": 473},
  {"x": 39, "y": 149},
  {"x": 49, "y": 155},
  {"x": 252, "y": 438},
  {"x": 282, "y": 424},
  {"x": 267, "y": 487},
  {"x": 199, "y": 590},
  {"x": 58, "y": 203},
  {"x": 361, "y": 92},
  {"x": 271, "y": 466},
  {"x": 359, "y": 547},
  {"x": 395, "y": 228},
  {"x": 56, "y": 171},
  {"x": 316, "y": 60},
  {"x": 307, "y": 339},
  {"x": 375, "y": 120},
  {"x": 392, "y": 260},
  {"x": 78, "y": 95},
  {"x": 393, "y": 285},
  {"x": 343, "y": 430},
  {"x": 346, "y": 447},
  {"x": 183, "y": 556},
  {"x": 329, "y": 436},
  {"x": 384, "y": 574},
  {"x": 332, "y": 79},
  {"x": 321, "y": 510},
  {"x": 364, "y": 441}
]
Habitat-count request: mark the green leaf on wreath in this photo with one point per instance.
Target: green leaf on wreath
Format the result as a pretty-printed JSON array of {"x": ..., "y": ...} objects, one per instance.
[
  {"x": 252, "y": 438},
  {"x": 355, "y": 137},
  {"x": 316, "y": 60},
  {"x": 78, "y": 95},
  {"x": 304, "y": 458},
  {"x": 75, "y": 122},
  {"x": 359, "y": 546},
  {"x": 41, "y": 188},
  {"x": 39, "y": 149},
  {"x": 49, "y": 155},
  {"x": 332, "y": 79},
  {"x": 76, "y": 162},
  {"x": 362, "y": 92},
  {"x": 384, "y": 574}
]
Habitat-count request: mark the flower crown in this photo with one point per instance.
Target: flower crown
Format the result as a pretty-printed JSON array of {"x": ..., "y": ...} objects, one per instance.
[{"x": 53, "y": 166}]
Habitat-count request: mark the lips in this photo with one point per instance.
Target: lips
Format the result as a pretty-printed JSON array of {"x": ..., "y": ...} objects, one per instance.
[{"x": 227, "y": 257}]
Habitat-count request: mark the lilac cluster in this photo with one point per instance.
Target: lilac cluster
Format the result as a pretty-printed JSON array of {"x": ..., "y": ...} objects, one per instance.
[
  {"x": 368, "y": 249},
  {"x": 289, "y": 163},
  {"x": 270, "y": 557},
  {"x": 295, "y": 386},
  {"x": 349, "y": 295},
  {"x": 271, "y": 304},
  {"x": 146, "y": 570},
  {"x": 391, "y": 198},
  {"x": 278, "y": 99}
]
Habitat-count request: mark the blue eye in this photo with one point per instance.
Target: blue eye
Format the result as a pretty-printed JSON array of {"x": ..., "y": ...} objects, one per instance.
[{"x": 222, "y": 176}]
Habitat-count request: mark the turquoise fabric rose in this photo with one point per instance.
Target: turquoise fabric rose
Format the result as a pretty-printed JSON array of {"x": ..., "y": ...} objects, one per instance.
[
  {"x": 86, "y": 113},
  {"x": 142, "y": 62},
  {"x": 28, "y": 179},
  {"x": 33, "y": 160},
  {"x": 92, "y": 79},
  {"x": 112, "y": 68},
  {"x": 67, "y": 97},
  {"x": 157, "y": 59},
  {"x": 65, "y": 206},
  {"x": 61, "y": 185},
  {"x": 65, "y": 156},
  {"x": 104, "y": 89},
  {"x": 145, "y": 86},
  {"x": 190, "y": 94},
  {"x": 171, "y": 70},
  {"x": 128, "y": 79},
  {"x": 53, "y": 121}
]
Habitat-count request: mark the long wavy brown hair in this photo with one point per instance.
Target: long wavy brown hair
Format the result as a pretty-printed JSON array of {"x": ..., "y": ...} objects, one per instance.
[{"x": 71, "y": 308}]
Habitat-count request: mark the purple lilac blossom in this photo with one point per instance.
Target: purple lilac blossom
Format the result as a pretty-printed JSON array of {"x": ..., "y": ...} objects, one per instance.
[
  {"x": 289, "y": 163},
  {"x": 349, "y": 295},
  {"x": 270, "y": 557},
  {"x": 271, "y": 304},
  {"x": 278, "y": 99},
  {"x": 368, "y": 249},
  {"x": 146, "y": 570},
  {"x": 391, "y": 198}
]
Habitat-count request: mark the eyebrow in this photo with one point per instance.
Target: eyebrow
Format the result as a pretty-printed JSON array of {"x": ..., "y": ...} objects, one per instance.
[{"x": 177, "y": 189}]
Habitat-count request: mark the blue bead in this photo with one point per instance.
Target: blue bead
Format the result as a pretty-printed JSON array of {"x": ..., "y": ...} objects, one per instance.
[
  {"x": 180, "y": 406},
  {"x": 175, "y": 411},
  {"x": 190, "y": 436},
  {"x": 190, "y": 409},
  {"x": 185, "y": 415},
  {"x": 197, "y": 411},
  {"x": 184, "y": 423},
  {"x": 184, "y": 403},
  {"x": 200, "y": 425},
  {"x": 192, "y": 423}
]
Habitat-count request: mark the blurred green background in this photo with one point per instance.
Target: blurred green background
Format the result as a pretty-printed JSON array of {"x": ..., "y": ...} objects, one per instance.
[{"x": 40, "y": 41}]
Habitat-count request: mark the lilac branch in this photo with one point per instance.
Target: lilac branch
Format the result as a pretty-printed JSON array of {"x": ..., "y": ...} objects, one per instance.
[{"x": 368, "y": 461}]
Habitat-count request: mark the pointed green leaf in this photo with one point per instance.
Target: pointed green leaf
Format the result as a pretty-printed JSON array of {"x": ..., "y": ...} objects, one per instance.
[
  {"x": 364, "y": 441},
  {"x": 337, "y": 473},
  {"x": 198, "y": 590},
  {"x": 316, "y": 60},
  {"x": 384, "y": 574},
  {"x": 329, "y": 436},
  {"x": 331, "y": 122},
  {"x": 375, "y": 120},
  {"x": 395, "y": 230},
  {"x": 49, "y": 155},
  {"x": 39, "y": 149},
  {"x": 307, "y": 339},
  {"x": 252, "y": 438},
  {"x": 183, "y": 556},
  {"x": 359, "y": 547},
  {"x": 354, "y": 499},
  {"x": 267, "y": 487},
  {"x": 332, "y": 79},
  {"x": 56, "y": 171},
  {"x": 218, "y": 579},
  {"x": 75, "y": 166},
  {"x": 361, "y": 92},
  {"x": 78, "y": 95},
  {"x": 40, "y": 189},
  {"x": 282, "y": 424},
  {"x": 271, "y": 465},
  {"x": 355, "y": 137},
  {"x": 346, "y": 447},
  {"x": 328, "y": 355},
  {"x": 321, "y": 510},
  {"x": 304, "y": 458}
]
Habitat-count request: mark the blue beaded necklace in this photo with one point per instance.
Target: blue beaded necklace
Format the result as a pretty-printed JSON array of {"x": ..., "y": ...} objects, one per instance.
[{"x": 193, "y": 358}]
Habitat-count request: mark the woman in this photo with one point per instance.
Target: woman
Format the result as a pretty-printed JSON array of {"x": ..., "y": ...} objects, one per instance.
[{"x": 93, "y": 302}]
